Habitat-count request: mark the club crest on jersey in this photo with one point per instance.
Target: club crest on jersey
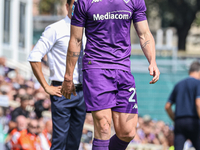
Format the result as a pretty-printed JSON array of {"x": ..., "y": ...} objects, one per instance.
[
  {"x": 96, "y": 1},
  {"x": 126, "y": 1}
]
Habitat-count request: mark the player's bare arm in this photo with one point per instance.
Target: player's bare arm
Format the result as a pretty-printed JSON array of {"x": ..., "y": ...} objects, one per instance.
[
  {"x": 148, "y": 46},
  {"x": 168, "y": 108},
  {"x": 72, "y": 57},
  {"x": 198, "y": 106},
  {"x": 37, "y": 70}
]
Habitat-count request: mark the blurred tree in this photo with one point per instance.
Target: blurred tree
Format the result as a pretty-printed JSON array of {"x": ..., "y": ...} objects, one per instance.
[
  {"x": 179, "y": 14},
  {"x": 49, "y": 7}
]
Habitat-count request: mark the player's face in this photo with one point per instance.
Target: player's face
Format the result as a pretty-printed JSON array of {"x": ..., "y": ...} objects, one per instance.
[{"x": 69, "y": 9}]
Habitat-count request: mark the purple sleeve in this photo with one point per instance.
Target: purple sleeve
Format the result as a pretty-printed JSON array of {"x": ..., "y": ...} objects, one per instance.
[
  {"x": 79, "y": 13},
  {"x": 139, "y": 13}
]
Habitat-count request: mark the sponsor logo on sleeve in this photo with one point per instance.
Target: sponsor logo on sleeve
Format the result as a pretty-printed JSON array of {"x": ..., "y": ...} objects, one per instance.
[{"x": 121, "y": 14}]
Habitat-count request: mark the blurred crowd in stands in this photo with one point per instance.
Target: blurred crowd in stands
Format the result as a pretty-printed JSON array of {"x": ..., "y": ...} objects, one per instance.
[
  {"x": 25, "y": 117},
  {"x": 153, "y": 132}
]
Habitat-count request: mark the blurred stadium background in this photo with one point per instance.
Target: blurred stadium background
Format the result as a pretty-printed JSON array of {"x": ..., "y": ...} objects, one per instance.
[{"x": 174, "y": 25}]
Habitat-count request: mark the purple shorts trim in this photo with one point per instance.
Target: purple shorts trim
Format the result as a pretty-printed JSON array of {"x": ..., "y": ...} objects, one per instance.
[{"x": 109, "y": 88}]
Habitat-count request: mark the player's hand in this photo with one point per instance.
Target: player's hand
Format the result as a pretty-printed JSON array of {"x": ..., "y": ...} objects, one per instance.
[
  {"x": 68, "y": 88},
  {"x": 154, "y": 71},
  {"x": 53, "y": 90}
]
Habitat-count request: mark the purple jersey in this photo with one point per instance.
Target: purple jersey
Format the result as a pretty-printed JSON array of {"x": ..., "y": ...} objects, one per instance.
[{"x": 107, "y": 27}]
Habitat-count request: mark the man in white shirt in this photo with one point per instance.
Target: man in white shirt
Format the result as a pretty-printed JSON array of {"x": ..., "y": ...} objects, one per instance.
[{"x": 68, "y": 115}]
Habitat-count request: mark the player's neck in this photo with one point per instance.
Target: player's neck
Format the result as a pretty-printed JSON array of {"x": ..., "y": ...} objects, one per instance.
[{"x": 194, "y": 75}]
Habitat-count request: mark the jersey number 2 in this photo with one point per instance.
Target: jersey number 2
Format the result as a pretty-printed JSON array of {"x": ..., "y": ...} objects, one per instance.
[{"x": 132, "y": 95}]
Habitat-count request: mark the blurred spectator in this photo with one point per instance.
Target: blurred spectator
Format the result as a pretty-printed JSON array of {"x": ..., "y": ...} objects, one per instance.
[
  {"x": 40, "y": 106},
  {"x": 13, "y": 137},
  {"x": 6, "y": 94},
  {"x": 2, "y": 80},
  {"x": 31, "y": 141},
  {"x": 48, "y": 130},
  {"x": 150, "y": 136},
  {"x": 19, "y": 111},
  {"x": 45, "y": 134},
  {"x": 21, "y": 91},
  {"x": 4, "y": 70},
  {"x": 3, "y": 119},
  {"x": 29, "y": 87},
  {"x": 19, "y": 131},
  {"x": 21, "y": 123},
  {"x": 87, "y": 135}
]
